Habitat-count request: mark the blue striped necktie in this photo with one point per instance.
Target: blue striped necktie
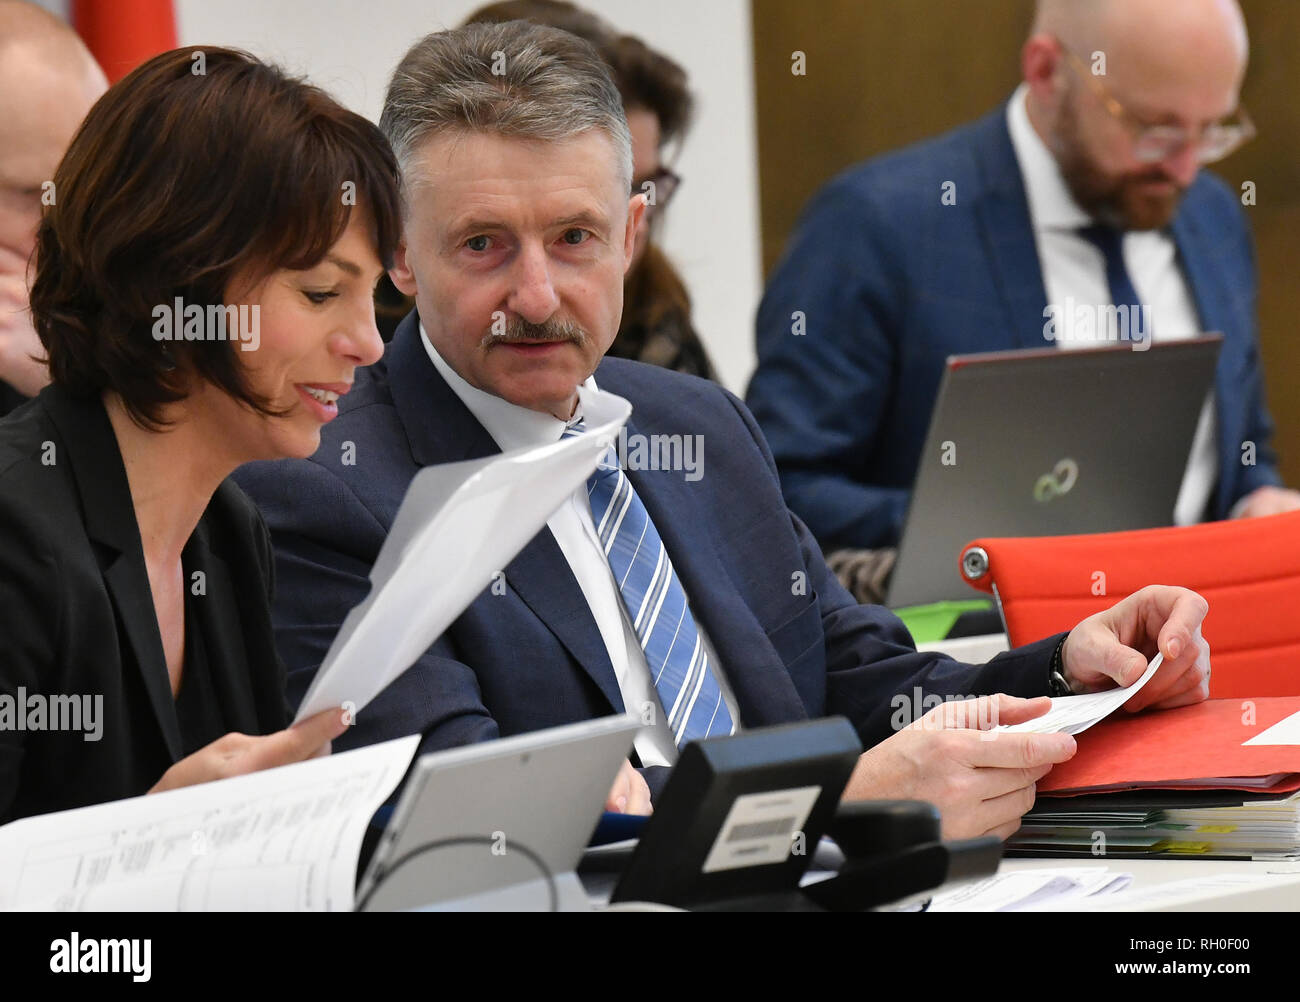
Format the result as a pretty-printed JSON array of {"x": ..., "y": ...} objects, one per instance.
[{"x": 656, "y": 604}]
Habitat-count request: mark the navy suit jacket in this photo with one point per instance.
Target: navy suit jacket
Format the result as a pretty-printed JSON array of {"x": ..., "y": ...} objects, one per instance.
[
  {"x": 793, "y": 644},
  {"x": 891, "y": 281}
]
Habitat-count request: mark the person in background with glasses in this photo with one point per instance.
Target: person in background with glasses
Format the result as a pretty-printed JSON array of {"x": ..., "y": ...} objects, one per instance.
[{"x": 1086, "y": 187}]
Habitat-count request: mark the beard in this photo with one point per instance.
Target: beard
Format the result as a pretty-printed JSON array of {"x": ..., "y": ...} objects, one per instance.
[
  {"x": 1120, "y": 200},
  {"x": 518, "y": 329}
]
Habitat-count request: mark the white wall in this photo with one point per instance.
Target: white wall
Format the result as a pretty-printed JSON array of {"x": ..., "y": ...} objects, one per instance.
[{"x": 711, "y": 230}]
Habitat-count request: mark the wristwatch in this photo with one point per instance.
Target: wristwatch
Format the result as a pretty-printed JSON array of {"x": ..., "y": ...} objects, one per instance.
[{"x": 1056, "y": 683}]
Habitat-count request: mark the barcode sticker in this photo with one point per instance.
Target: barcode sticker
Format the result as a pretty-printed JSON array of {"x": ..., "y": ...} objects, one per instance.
[
  {"x": 763, "y": 829},
  {"x": 760, "y": 828}
]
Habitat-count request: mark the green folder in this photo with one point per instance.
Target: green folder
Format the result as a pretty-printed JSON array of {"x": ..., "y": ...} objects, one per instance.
[{"x": 928, "y": 623}]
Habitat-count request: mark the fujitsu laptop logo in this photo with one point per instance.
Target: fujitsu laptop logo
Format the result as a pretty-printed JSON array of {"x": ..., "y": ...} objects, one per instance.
[{"x": 1058, "y": 482}]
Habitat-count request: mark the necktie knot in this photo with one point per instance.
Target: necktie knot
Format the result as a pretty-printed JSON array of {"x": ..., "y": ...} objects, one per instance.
[
  {"x": 608, "y": 465},
  {"x": 1103, "y": 236}
]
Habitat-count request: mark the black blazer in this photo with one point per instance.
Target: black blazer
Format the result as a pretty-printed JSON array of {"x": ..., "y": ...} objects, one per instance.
[
  {"x": 10, "y": 399},
  {"x": 77, "y": 615}
]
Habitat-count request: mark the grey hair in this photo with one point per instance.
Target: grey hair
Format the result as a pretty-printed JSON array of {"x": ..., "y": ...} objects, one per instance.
[{"x": 516, "y": 79}]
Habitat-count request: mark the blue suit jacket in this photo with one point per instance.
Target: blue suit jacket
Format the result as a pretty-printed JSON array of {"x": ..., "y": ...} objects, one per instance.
[
  {"x": 891, "y": 282},
  {"x": 793, "y": 643}
]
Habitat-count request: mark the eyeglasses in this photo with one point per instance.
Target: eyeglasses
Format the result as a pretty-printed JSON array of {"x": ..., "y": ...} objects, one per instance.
[
  {"x": 1152, "y": 143},
  {"x": 658, "y": 189}
]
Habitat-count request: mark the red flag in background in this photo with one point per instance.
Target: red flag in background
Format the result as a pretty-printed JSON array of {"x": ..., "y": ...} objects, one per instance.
[{"x": 122, "y": 34}]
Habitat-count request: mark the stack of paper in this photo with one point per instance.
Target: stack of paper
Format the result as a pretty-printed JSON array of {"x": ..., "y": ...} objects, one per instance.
[
  {"x": 1215, "y": 780},
  {"x": 1256, "y": 828}
]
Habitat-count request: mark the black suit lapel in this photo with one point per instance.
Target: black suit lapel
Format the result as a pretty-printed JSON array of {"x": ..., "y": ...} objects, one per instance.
[
  {"x": 105, "y": 499},
  {"x": 128, "y": 587},
  {"x": 217, "y": 617}
]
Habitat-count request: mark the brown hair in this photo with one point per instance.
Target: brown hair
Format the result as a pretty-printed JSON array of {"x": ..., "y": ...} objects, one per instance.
[
  {"x": 202, "y": 166},
  {"x": 655, "y": 293}
]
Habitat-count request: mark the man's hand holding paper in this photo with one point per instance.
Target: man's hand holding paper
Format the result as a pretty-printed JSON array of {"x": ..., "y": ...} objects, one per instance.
[{"x": 1115, "y": 646}]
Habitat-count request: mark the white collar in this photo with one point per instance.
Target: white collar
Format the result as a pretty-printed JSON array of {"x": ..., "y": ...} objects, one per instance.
[
  {"x": 1051, "y": 206},
  {"x": 511, "y": 426}
]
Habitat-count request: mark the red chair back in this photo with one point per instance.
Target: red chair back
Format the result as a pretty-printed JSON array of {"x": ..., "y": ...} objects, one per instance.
[{"x": 1247, "y": 569}]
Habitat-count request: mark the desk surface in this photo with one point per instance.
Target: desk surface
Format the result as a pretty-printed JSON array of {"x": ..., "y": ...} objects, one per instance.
[{"x": 1271, "y": 886}]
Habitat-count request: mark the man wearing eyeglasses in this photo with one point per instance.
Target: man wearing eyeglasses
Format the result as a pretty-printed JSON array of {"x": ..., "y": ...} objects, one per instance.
[{"x": 1085, "y": 188}]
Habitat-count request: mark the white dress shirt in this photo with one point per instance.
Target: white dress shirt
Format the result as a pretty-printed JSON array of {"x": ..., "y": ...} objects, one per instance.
[
  {"x": 1074, "y": 269},
  {"x": 514, "y": 427}
]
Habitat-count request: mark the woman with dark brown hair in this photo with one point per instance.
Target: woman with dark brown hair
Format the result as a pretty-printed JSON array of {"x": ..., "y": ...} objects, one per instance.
[{"x": 203, "y": 290}]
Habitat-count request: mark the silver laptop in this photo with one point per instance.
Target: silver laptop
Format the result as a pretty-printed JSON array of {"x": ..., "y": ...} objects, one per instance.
[
  {"x": 501, "y": 824},
  {"x": 1047, "y": 442}
]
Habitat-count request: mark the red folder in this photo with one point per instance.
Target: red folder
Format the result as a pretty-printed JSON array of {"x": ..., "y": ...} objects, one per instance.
[{"x": 1191, "y": 748}]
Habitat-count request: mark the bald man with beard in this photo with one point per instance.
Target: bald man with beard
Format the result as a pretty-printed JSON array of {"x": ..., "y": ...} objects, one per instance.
[
  {"x": 1085, "y": 187},
  {"x": 48, "y": 81}
]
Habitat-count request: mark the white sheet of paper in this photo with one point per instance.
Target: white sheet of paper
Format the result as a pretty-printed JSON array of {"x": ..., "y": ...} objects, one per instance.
[
  {"x": 1075, "y": 714},
  {"x": 992, "y": 894},
  {"x": 1088, "y": 883},
  {"x": 1185, "y": 891},
  {"x": 1012, "y": 890},
  {"x": 284, "y": 839},
  {"x": 1285, "y": 732},
  {"x": 459, "y": 524}
]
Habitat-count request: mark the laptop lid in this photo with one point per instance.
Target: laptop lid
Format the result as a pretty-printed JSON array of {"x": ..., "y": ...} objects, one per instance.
[
  {"x": 497, "y": 813},
  {"x": 1046, "y": 442}
]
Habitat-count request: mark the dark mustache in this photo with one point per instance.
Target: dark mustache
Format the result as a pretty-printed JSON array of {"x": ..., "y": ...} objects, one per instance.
[{"x": 518, "y": 329}]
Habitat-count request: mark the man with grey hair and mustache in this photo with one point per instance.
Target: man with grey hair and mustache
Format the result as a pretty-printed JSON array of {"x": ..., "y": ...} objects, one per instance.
[
  {"x": 1083, "y": 194},
  {"x": 701, "y": 604}
]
